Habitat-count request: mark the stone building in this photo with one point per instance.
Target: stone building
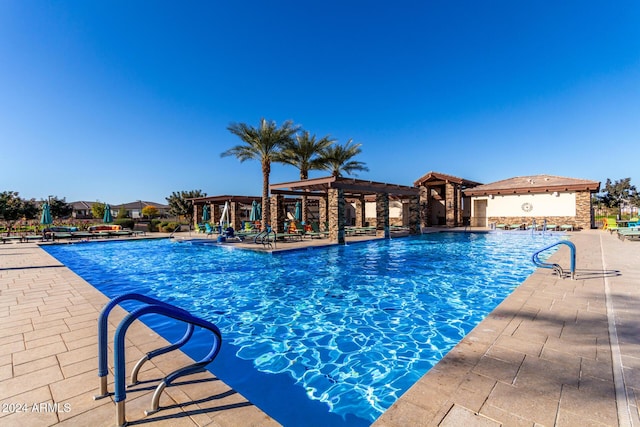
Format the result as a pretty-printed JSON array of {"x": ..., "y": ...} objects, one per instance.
[{"x": 521, "y": 200}]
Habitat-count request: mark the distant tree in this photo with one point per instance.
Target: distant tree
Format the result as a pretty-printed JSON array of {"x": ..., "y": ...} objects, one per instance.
[
  {"x": 305, "y": 153},
  {"x": 14, "y": 208},
  {"x": 97, "y": 210},
  {"x": 261, "y": 143},
  {"x": 150, "y": 211},
  {"x": 122, "y": 213},
  {"x": 338, "y": 159},
  {"x": 618, "y": 193},
  {"x": 179, "y": 205},
  {"x": 60, "y": 208}
]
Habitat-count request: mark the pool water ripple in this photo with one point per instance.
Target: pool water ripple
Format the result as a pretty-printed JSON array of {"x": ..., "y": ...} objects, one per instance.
[{"x": 354, "y": 327}]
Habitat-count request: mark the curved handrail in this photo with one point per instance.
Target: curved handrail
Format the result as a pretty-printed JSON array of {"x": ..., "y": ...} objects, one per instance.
[
  {"x": 103, "y": 369},
  {"x": 119, "y": 352},
  {"x": 556, "y": 267}
]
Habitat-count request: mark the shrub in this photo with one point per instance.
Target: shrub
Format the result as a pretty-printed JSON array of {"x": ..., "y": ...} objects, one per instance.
[
  {"x": 169, "y": 227},
  {"x": 153, "y": 225}
]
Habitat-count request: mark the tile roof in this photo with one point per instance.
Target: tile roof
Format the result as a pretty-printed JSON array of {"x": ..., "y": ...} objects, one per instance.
[
  {"x": 534, "y": 184},
  {"x": 437, "y": 176}
]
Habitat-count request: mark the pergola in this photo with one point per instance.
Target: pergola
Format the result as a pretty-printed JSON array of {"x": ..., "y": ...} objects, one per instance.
[
  {"x": 333, "y": 192},
  {"x": 235, "y": 204},
  {"x": 442, "y": 198}
]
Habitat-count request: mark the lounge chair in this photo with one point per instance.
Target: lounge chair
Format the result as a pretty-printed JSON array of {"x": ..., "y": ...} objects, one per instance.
[
  {"x": 610, "y": 224},
  {"x": 315, "y": 231},
  {"x": 566, "y": 227},
  {"x": 515, "y": 226},
  {"x": 552, "y": 227},
  {"x": 628, "y": 233},
  {"x": 501, "y": 226}
]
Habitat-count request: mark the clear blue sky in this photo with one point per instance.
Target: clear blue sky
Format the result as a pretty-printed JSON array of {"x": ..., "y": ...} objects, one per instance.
[{"x": 125, "y": 100}]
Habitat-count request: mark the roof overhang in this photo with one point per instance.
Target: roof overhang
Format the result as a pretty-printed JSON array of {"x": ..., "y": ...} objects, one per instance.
[
  {"x": 593, "y": 188},
  {"x": 226, "y": 198},
  {"x": 352, "y": 187},
  {"x": 436, "y": 178}
]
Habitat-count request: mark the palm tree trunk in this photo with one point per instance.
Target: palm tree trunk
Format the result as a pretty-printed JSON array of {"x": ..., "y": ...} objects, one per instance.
[
  {"x": 266, "y": 205},
  {"x": 303, "y": 176}
]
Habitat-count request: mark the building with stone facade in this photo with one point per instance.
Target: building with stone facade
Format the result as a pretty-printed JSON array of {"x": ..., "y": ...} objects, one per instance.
[{"x": 524, "y": 199}]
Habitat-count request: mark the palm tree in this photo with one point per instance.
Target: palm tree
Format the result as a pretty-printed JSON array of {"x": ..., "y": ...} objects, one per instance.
[
  {"x": 305, "y": 153},
  {"x": 338, "y": 157},
  {"x": 262, "y": 143}
]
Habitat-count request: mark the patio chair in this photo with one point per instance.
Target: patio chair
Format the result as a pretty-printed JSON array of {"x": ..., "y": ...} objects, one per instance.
[
  {"x": 566, "y": 227},
  {"x": 610, "y": 224},
  {"x": 552, "y": 227}
]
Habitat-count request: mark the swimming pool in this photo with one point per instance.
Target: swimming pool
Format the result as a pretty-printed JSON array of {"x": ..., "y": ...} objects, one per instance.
[{"x": 327, "y": 336}]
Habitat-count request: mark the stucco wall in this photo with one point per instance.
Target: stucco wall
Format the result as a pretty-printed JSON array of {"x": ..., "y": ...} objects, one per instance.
[{"x": 532, "y": 205}]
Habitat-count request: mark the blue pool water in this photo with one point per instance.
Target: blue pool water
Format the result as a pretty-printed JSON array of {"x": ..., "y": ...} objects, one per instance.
[{"x": 327, "y": 336}]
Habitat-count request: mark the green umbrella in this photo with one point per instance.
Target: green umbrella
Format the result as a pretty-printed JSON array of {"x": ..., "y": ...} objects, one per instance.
[
  {"x": 107, "y": 218},
  {"x": 205, "y": 214},
  {"x": 253, "y": 215},
  {"x": 297, "y": 215},
  {"x": 46, "y": 219}
]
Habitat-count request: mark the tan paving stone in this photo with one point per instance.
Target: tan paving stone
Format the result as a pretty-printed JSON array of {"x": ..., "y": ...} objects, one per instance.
[
  {"x": 35, "y": 365},
  {"x": 38, "y": 352},
  {"x": 52, "y": 339},
  {"x": 76, "y": 385},
  {"x": 461, "y": 416},
  {"x": 523, "y": 404},
  {"x": 78, "y": 355},
  {"x": 32, "y": 380}
]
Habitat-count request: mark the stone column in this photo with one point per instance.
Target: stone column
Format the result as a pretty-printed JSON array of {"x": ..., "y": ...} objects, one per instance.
[
  {"x": 277, "y": 213},
  {"x": 360, "y": 212},
  {"x": 216, "y": 214},
  {"x": 336, "y": 215},
  {"x": 234, "y": 215},
  {"x": 424, "y": 212},
  {"x": 414, "y": 215},
  {"x": 323, "y": 206},
  {"x": 450, "y": 204},
  {"x": 197, "y": 214},
  {"x": 583, "y": 218},
  {"x": 382, "y": 215}
]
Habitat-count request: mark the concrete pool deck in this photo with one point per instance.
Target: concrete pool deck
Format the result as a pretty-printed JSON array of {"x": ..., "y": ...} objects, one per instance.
[{"x": 555, "y": 352}]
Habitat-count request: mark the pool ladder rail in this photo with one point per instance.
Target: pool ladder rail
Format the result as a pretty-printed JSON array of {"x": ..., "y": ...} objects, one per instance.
[
  {"x": 152, "y": 306},
  {"x": 265, "y": 238},
  {"x": 556, "y": 267}
]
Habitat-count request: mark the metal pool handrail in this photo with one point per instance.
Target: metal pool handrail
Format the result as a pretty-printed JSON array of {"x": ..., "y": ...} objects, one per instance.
[
  {"x": 556, "y": 267},
  {"x": 153, "y": 307}
]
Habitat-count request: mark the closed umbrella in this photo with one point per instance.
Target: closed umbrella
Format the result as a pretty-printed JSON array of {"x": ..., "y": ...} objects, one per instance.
[
  {"x": 107, "y": 218},
  {"x": 206, "y": 216},
  {"x": 253, "y": 215},
  {"x": 46, "y": 219},
  {"x": 297, "y": 215}
]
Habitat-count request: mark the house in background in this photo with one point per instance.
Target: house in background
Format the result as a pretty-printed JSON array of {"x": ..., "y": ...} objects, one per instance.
[
  {"x": 82, "y": 209},
  {"x": 134, "y": 209},
  {"x": 523, "y": 199}
]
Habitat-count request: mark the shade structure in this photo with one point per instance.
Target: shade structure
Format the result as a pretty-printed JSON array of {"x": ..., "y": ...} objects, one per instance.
[
  {"x": 297, "y": 215},
  {"x": 206, "y": 216},
  {"x": 107, "y": 218},
  {"x": 253, "y": 215},
  {"x": 46, "y": 219}
]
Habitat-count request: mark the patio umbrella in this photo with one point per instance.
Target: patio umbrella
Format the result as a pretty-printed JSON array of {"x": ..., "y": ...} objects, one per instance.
[
  {"x": 259, "y": 211},
  {"x": 253, "y": 215},
  {"x": 206, "y": 216},
  {"x": 107, "y": 218},
  {"x": 46, "y": 219},
  {"x": 297, "y": 215}
]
